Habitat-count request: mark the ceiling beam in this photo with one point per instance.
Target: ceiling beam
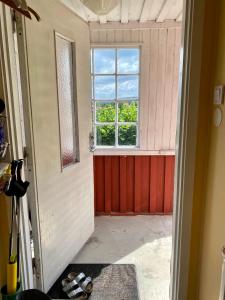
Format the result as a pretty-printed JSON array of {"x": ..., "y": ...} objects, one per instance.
[
  {"x": 134, "y": 25},
  {"x": 103, "y": 19},
  {"x": 124, "y": 11}
]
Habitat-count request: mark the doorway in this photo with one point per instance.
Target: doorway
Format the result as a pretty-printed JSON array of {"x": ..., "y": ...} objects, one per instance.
[{"x": 179, "y": 230}]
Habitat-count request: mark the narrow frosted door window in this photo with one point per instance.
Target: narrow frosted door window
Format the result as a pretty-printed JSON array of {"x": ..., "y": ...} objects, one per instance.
[{"x": 66, "y": 101}]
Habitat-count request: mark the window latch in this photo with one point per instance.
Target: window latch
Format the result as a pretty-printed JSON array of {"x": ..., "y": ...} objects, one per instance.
[{"x": 91, "y": 142}]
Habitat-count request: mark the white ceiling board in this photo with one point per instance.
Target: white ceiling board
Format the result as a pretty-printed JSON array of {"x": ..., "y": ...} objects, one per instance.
[
  {"x": 175, "y": 9},
  {"x": 179, "y": 17},
  {"x": 151, "y": 10},
  {"x": 75, "y": 9},
  {"x": 155, "y": 9},
  {"x": 145, "y": 10},
  {"x": 135, "y": 9},
  {"x": 91, "y": 17},
  {"x": 78, "y": 6},
  {"x": 114, "y": 15},
  {"x": 131, "y": 10},
  {"x": 170, "y": 10},
  {"x": 125, "y": 11}
]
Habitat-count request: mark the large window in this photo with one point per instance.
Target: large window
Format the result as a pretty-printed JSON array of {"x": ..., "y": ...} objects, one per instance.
[{"x": 115, "y": 96}]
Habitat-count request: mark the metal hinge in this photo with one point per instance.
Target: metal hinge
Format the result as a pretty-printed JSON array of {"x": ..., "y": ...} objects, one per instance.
[
  {"x": 91, "y": 142},
  {"x": 13, "y": 16},
  {"x": 25, "y": 152}
]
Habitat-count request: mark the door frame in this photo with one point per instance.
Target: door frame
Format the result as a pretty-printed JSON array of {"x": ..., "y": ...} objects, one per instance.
[
  {"x": 186, "y": 141},
  {"x": 190, "y": 62},
  {"x": 11, "y": 91},
  {"x": 20, "y": 30}
]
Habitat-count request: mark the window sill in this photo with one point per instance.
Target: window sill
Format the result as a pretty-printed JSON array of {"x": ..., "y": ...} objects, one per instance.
[{"x": 130, "y": 151}]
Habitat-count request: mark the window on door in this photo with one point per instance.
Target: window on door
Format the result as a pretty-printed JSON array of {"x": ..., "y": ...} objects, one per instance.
[
  {"x": 67, "y": 104},
  {"x": 115, "y": 96}
]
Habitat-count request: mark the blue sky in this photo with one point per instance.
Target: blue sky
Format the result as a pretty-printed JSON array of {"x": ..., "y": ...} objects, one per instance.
[{"x": 127, "y": 63}]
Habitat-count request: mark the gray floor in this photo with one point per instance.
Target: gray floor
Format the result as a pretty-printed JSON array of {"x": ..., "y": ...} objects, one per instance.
[{"x": 141, "y": 240}]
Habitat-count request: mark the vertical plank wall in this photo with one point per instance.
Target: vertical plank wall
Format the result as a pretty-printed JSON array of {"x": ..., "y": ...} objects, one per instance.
[
  {"x": 160, "y": 49},
  {"x": 143, "y": 184},
  {"x": 133, "y": 184}
]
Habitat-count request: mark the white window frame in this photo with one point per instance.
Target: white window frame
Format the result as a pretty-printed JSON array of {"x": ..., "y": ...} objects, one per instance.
[{"x": 116, "y": 101}]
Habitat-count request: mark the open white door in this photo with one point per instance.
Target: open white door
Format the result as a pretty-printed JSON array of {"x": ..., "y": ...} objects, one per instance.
[{"x": 57, "y": 111}]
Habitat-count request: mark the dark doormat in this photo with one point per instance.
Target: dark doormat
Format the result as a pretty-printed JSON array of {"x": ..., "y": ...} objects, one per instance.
[{"x": 111, "y": 282}]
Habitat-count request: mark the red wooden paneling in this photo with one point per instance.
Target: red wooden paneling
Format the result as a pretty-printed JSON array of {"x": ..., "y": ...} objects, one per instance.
[
  {"x": 133, "y": 184},
  {"x": 157, "y": 184},
  {"x": 169, "y": 184},
  {"x": 100, "y": 183},
  {"x": 130, "y": 184},
  {"x": 137, "y": 184},
  {"x": 108, "y": 184},
  {"x": 145, "y": 187},
  {"x": 123, "y": 184},
  {"x": 115, "y": 179}
]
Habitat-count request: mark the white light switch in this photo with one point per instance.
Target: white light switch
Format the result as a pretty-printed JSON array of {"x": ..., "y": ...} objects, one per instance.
[
  {"x": 217, "y": 116},
  {"x": 218, "y": 94}
]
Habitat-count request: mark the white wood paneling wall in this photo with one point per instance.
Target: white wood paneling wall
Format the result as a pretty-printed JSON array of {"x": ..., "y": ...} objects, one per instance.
[{"x": 160, "y": 49}]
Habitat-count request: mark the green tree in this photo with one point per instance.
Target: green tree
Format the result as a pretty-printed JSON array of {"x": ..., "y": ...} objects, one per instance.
[{"x": 127, "y": 112}]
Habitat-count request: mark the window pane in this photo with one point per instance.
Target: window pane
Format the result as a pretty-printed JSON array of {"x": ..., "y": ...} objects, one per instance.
[
  {"x": 68, "y": 136},
  {"x": 127, "y": 135},
  {"x": 128, "y": 61},
  {"x": 91, "y": 61},
  {"x": 104, "y": 87},
  {"x": 105, "y": 112},
  {"x": 104, "y": 61},
  {"x": 128, "y": 112},
  {"x": 128, "y": 87},
  {"x": 92, "y": 87},
  {"x": 105, "y": 135}
]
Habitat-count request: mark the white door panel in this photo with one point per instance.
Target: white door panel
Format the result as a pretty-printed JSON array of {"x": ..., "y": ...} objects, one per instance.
[{"x": 65, "y": 205}]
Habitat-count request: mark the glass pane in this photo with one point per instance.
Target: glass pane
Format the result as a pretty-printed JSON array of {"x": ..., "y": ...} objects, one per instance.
[
  {"x": 104, "y": 87},
  {"x": 68, "y": 137},
  {"x": 128, "y": 61},
  {"x": 127, "y": 87},
  {"x": 105, "y": 135},
  {"x": 127, "y": 135},
  {"x": 105, "y": 112},
  {"x": 91, "y": 61},
  {"x": 128, "y": 112},
  {"x": 104, "y": 61},
  {"x": 92, "y": 87}
]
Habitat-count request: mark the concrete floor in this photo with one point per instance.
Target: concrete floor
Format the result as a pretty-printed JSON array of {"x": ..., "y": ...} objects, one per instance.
[{"x": 141, "y": 240}]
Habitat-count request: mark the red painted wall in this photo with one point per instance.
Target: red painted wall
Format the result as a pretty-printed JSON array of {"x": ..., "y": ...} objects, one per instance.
[{"x": 133, "y": 184}]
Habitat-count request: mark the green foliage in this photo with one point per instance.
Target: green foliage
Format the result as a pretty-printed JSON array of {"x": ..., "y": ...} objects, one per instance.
[
  {"x": 106, "y": 135},
  {"x": 128, "y": 112},
  {"x": 106, "y": 112},
  {"x": 127, "y": 135}
]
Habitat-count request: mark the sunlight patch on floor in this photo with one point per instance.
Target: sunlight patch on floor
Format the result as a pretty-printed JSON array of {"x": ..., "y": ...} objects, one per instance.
[{"x": 141, "y": 240}]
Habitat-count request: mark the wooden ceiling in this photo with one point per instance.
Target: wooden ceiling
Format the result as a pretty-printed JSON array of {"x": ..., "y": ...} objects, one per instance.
[{"x": 132, "y": 10}]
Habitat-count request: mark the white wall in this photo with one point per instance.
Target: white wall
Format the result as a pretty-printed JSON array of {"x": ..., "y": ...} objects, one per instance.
[
  {"x": 65, "y": 199},
  {"x": 160, "y": 48}
]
